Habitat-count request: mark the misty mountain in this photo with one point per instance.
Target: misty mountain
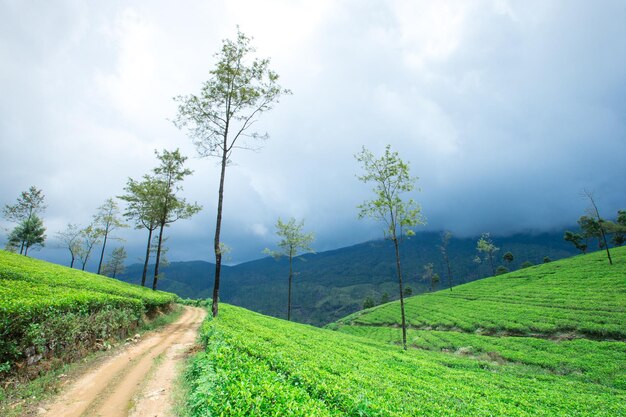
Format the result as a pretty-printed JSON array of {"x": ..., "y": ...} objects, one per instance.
[{"x": 331, "y": 284}]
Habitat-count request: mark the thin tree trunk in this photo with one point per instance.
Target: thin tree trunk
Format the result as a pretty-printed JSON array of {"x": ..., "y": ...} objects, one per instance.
[
  {"x": 449, "y": 272},
  {"x": 606, "y": 246},
  {"x": 218, "y": 227},
  {"x": 493, "y": 270},
  {"x": 158, "y": 258},
  {"x": 22, "y": 248},
  {"x": 289, "y": 296},
  {"x": 26, "y": 250},
  {"x": 145, "y": 264},
  {"x": 72, "y": 263},
  {"x": 399, "y": 270},
  {"x": 106, "y": 234}
]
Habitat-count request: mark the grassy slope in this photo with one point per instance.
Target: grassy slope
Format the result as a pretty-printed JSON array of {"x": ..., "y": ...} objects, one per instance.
[
  {"x": 583, "y": 295},
  {"x": 257, "y": 365},
  {"x": 45, "y": 308}
]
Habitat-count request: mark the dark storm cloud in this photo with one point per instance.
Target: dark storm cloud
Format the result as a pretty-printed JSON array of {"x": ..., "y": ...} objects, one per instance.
[{"x": 505, "y": 110}]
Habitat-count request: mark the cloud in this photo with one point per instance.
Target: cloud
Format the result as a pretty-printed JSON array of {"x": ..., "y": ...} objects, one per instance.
[{"x": 505, "y": 110}]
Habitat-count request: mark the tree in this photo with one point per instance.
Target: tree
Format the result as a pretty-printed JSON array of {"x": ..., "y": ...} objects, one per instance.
[
  {"x": 116, "y": 263},
  {"x": 526, "y": 264},
  {"x": 575, "y": 239},
  {"x": 390, "y": 177},
  {"x": 29, "y": 203},
  {"x": 220, "y": 118},
  {"x": 430, "y": 276},
  {"x": 30, "y": 233},
  {"x": 143, "y": 199},
  {"x": 485, "y": 246},
  {"x": 596, "y": 213},
  {"x": 508, "y": 258},
  {"x": 443, "y": 248},
  {"x": 368, "y": 302},
  {"x": 546, "y": 260},
  {"x": 71, "y": 239},
  {"x": 106, "y": 220},
  {"x": 618, "y": 229},
  {"x": 501, "y": 270},
  {"x": 384, "y": 299},
  {"x": 408, "y": 291},
  {"x": 590, "y": 229},
  {"x": 170, "y": 208},
  {"x": 90, "y": 237},
  {"x": 293, "y": 241}
]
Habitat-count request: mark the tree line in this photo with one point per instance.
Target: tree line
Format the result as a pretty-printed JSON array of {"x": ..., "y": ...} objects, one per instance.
[{"x": 152, "y": 203}]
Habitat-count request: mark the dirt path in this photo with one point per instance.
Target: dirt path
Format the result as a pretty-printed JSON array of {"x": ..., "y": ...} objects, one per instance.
[{"x": 137, "y": 381}]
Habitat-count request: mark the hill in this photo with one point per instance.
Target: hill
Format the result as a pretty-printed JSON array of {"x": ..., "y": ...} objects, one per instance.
[
  {"x": 48, "y": 310},
  {"x": 547, "y": 340},
  {"x": 329, "y": 285}
]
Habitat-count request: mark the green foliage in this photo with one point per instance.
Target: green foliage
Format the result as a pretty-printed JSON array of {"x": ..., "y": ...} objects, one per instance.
[
  {"x": 35, "y": 295},
  {"x": 254, "y": 365},
  {"x": 293, "y": 240},
  {"x": 501, "y": 270},
  {"x": 546, "y": 259},
  {"x": 508, "y": 257},
  {"x": 526, "y": 264},
  {"x": 28, "y": 203},
  {"x": 115, "y": 265},
  {"x": 30, "y": 233},
  {"x": 384, "y": 299},
  {"x": 390, "y": 178},
  {"x": 486, "y": 247},
  {"x": 582, "y": 295},
  {"x": 408, "y": 291},
  {"x": 369, "y": 302},
  {"x": 576, "y": 240}
]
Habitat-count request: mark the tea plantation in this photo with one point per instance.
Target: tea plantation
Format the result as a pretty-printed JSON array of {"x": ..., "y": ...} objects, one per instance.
[
  {"x": 50, "y": 310},
  {"x": 523, "y": 344}
]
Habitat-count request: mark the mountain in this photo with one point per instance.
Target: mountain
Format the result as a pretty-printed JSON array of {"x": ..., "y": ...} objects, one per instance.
[{"x": 332, "y": 284}]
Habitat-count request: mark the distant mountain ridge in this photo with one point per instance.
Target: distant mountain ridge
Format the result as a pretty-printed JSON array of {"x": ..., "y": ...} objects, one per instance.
[{"x": 331, "y": 284}]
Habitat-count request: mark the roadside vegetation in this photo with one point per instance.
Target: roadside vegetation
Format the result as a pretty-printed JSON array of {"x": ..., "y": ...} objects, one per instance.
[{"x": 50, "y": 314}]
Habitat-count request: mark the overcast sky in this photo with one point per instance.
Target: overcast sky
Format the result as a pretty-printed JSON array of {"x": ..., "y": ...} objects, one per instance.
[{"x": 506, "y": 111}]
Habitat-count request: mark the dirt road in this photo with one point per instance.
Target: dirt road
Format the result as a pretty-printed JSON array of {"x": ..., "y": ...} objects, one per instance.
[{"x": 137, "y": 381}]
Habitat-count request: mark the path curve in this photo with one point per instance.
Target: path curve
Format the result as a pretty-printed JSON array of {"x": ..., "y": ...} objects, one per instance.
[{"x": 137, "y": 381}]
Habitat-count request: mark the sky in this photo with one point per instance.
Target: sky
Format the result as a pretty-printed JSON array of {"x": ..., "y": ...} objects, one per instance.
[{"x": 505, "y": 110}]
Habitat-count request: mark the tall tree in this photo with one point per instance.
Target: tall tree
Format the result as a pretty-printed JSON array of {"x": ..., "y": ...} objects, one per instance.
[
  {"x": 596, "y": 213},
  {"x": 143, "y": 198},
  {"x": 485, "y": 246},
  {"x": 29, "y": 203},
  {"x": 220, "y": 118},
  {"x": 30, "y": 233},
  {"x": 70, "y": 238},
  {"x": 107, "y": 219},
  {"x": 508, "y": 258},
  {"x": 169, "y": 174},
  {"x": 115, "y": 265},
  {"x": 391, "y": 179},
  {"x": 443, "y": 248},
  {"x": 293, "y": 242},
  {"x": 90, "y": 237}
]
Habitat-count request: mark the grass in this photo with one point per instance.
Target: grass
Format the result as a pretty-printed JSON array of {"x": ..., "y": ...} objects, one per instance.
[
  {"x": 582, "y": 295},
  {"x": 543, "y": 341},
  {"x": 261, "y": 366}
]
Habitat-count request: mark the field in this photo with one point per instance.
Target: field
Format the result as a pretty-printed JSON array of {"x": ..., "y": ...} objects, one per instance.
[
  {"x": 51, "y": 310},
  {"x": 580, "y": 296},
  {"x": 524, "y": 344}
]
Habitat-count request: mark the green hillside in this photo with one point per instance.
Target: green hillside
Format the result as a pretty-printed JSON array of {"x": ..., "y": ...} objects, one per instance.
[
  {"x": 50, "y": 310},
  {"x": 567, "y": 356},
  {"x": 583, "y": 295},
  {"x": 332, "y": 284}
]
